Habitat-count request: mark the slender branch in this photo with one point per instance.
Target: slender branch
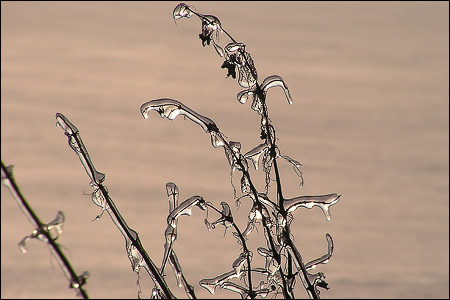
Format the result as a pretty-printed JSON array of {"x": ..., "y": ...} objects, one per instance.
[
  {"x": 76, "y": 281},
  {"x": 74, "y": 139},
  {"x": 244, "y": 245}
]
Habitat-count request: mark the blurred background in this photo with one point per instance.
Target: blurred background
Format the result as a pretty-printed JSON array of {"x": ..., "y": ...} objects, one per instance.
[{"x": 369, "y": 120}]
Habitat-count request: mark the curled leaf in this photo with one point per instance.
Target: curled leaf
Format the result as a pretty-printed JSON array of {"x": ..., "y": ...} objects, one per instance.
[
  {"x": 256, "y": 153},
  {"x": 211, "y": 284},
  {"x": 182, "y": 10},
  {"x": 170, "y": 109},
  {"x": 185, "y": 208},
  {"x": 236, "y": 55},
  {"x": 324, "y": 258},
  {"x": 322, "y": 201},
  {"x": 274, "y": 81}
]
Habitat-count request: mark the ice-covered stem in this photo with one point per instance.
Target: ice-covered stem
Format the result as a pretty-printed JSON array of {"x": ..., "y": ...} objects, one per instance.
[
  {"x": 230, "y": 220},
  {"x": 271, "y": 139},
  {"x": 175, "y": 211},
  {"x": 262, "y": 207},
  {"x": 76, "y": 281},
  {"x": 210, "y": 26},
  {"x": 131, "y": 236},
  {"x": 170, "y": 109}
]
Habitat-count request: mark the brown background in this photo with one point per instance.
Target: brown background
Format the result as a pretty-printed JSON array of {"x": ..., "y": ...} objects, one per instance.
[{"x": 370, "y": 121}]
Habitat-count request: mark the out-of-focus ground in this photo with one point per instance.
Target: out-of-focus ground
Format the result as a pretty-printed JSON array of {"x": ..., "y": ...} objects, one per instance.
[{"x": 370, "y": 121}]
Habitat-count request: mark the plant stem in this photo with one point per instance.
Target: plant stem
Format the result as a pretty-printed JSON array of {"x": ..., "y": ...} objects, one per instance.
[
  {"x": 244, "y": 245},
  {"x": 136, "y": 242},
  {"x": 76, "y": 281},
  {"x": 73, "y": 132}
]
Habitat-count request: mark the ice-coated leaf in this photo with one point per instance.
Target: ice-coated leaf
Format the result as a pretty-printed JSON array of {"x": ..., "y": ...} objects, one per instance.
[
  {"x": 273, "y": 81},
  {"x": 211, "y": 29},
  {"x": 171, "y": 108},
  {"x": 81, "y": 279},
  {"x": 77, "y": 145},
  {"x": 136, "y": 259},
  {"x": 255, "y": 154},
  {"x": 211, "y": 284},
  {"x": 99, "y": 200},
  {"x": 38, "y": 233},
  {"x": 240, "y": 261},
  {"x": 243, "y": 96},
  {"x": 269, "y": 82},
  {"x": 172, "y": 195},
  {"x": 236, "y": 54},
  {"x": 56, "y": 224},
  {"x": 212, "y": 23},
  {"x": 217, "y": 139},
  {"x": 255, "y": 214},
  {"x": 247, "y": 73},
  {"x": 182, "y": 10},
  {"x": 233, "y": 153},
  {"x": 225, "y": 219},
  {"x": 317, "y": 280},
  {"x": 233, "y": 48},
  {"x": 33, "y": 235},
  {"x": 65, "y": 124},
  {"x": 234, "y": 287},
  {"x": 322, "y": 201},
  {"x": 324, "y": 258},
  {"x": 185, "y": 208},
  {"x": 271, "y": 264}
]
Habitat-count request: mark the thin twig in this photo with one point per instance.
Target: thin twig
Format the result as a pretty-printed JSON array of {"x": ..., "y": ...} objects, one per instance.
[{"x": 76, "y": 281}]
